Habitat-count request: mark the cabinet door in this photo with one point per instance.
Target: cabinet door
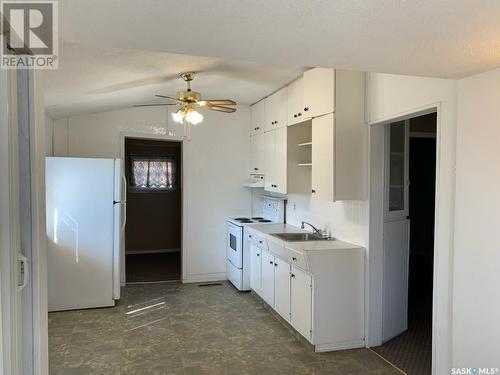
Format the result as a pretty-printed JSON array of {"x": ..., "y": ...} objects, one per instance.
[
  {"x": 282, "y": 288},
  {"x": 275, "y": 110},
  {"x": 319, "y": 92},
  {"x": 280, "y": 164},
  {"x": 255, "y": 269},
  {"x": 267, "y": 285},
  {"x": 322, "y": 170},
  {"x": 258, "y": 118},
  {"x": 269, "y": 151},
  {"x": 257, "y": 157},
  {"x": 295, "y": 106},
  {"x": 301, "y": 302}
]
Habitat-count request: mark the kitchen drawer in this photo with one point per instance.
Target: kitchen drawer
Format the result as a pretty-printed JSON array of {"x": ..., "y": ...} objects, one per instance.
[
  {"x": 259, "y": 240},
  {"x": 297, "y": 259},
  {"x": 277, "y": 247},
  {"x": 249, "y": 234}
]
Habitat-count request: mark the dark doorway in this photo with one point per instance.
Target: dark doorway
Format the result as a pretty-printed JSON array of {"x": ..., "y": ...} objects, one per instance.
[
  {"x": 154, "y": 210},
  {"x": 411, "y": 351}
]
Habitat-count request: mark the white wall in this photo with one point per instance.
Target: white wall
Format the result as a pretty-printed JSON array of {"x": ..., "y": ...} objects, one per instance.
[
  {"x": 216, "y": 162},
  {"x": 476, "y": 281},
  {"x": 388, "y": 97},
  {"x": 345, "y": 220},
  {"x": 49, "y": 134}
]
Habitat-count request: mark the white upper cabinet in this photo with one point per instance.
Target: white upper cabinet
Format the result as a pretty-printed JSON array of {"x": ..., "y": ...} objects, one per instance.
[
  {"x": 322, "y": 157},
  {"x": 276, "y": 110},
  {"x": 296, "y": 102},
  {"x": 280, "y": 161},
  {"x": 319, "y": 92},
  {"x": 339, "y": 143},
  {"x": 257, "y": 154},
  {"x": 275, "y": 153},
  {"x": 258, "y": 118},
  {"x": 269, "y": 152}
]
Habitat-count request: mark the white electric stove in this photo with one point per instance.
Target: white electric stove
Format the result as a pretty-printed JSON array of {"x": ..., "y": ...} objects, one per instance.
[{"x": 238, "y": 254}]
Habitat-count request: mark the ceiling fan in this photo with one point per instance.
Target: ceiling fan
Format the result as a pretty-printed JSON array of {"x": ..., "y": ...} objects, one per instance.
[{"x": 189, "y": 101}]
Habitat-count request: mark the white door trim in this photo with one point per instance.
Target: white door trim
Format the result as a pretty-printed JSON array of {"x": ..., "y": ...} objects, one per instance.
[
  {"x": 375, "y": 280},
  {"x": 9, "y": 227},
  {"x": 184, "y": 191}
]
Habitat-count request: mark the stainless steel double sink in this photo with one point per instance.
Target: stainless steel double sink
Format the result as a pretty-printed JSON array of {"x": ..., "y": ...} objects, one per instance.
[{"x": 298, "y": 237}]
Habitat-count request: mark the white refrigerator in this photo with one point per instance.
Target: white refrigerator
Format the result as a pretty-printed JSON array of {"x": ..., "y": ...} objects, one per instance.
[{"x": 85, "y": 200}]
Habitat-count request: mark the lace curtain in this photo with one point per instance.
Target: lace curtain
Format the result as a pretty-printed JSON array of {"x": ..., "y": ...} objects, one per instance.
[{"x": 154, "y": 174}]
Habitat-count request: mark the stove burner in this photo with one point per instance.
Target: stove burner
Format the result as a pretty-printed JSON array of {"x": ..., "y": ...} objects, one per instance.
[
  {"x": 264, "y": 221},
  {"x": 257, "y": 218},
  {"x": 241, "y": 219}
]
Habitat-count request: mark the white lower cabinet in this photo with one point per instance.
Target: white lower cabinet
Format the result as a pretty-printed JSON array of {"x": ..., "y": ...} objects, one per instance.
[
  {"x": 282, "y": 288},
  {"x": 267, "y": 283},
  {"x": 301, "y": 302},
  {"x": 255, "y": 269},
  {"x": 318, "y": 289}
]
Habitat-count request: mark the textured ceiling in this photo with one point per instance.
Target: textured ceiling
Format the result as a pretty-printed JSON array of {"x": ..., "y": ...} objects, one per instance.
[
  {"x": 445, "y": 38},
  {"x": 93, "y": 79}
]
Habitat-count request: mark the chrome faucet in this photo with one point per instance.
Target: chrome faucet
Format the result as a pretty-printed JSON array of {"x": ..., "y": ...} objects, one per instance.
[{"x": 316, "y": 230}]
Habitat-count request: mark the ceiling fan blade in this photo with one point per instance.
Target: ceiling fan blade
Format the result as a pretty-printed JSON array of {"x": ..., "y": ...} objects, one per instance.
[
  {"x": 217, "y": 102},
  {"x": 221, "y": 109},
  {"x": 153, "y": 105},
  {"x": 168, "y": 97}
]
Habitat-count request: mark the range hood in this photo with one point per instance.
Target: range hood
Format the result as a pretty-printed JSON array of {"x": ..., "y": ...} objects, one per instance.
[{"x": 255, "y": 181}]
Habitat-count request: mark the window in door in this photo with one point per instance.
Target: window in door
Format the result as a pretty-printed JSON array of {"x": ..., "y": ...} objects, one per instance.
[
  {"x": 153, "y": 174},
  {"x": 397, "y": 170}
]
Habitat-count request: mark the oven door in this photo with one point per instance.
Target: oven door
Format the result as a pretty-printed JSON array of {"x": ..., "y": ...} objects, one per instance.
[{"x": 235, "y": 245}]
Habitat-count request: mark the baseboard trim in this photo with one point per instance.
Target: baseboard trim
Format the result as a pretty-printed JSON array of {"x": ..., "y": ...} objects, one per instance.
[
  {"x": 207, "y": 277},
  {"x": 157, "y": 251},
  {"x": 329, "y": 347}
]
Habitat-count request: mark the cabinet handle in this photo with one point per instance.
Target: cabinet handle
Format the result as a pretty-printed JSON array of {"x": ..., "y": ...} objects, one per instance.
[
  {"x": 258, "y": 254},
  {"x": 249, "y": 236},
  {"x": 306, "y": 109},
  {"x": 313, "y": 191},
  {"x": 275, "y": 264},
  {"x": 257, "y": 128},
  {"x": 260, "y": 242},
  {"x": 295, "y": 115},
  {"x": 256, "y": 169},
  {"x": 271, "y": 262},
  {"x": 294, "y": 259},
  {"x": 300, "y": 114},
  {"x": 292, "y": 275}
]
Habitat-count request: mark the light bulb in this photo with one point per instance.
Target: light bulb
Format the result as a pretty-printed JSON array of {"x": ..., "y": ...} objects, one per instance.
[
  {"x": 178, "y": 116},
  {"x": 194, "y": 117}
]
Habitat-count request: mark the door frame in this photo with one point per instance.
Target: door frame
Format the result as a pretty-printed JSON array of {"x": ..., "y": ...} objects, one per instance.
[
  {"x": 9, "y": 227},
  {"x": 184, "y": 210},
  {"x": 375, "y": 271}
]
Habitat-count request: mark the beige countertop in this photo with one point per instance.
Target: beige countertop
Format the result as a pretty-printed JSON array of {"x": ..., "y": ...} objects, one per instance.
[{"x": 268, "y": 229}]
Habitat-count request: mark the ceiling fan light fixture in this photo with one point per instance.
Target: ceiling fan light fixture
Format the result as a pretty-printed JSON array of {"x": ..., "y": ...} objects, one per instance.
[
  {"x": 179, "y": 115},
  {"x": 194, "y": 117}
]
